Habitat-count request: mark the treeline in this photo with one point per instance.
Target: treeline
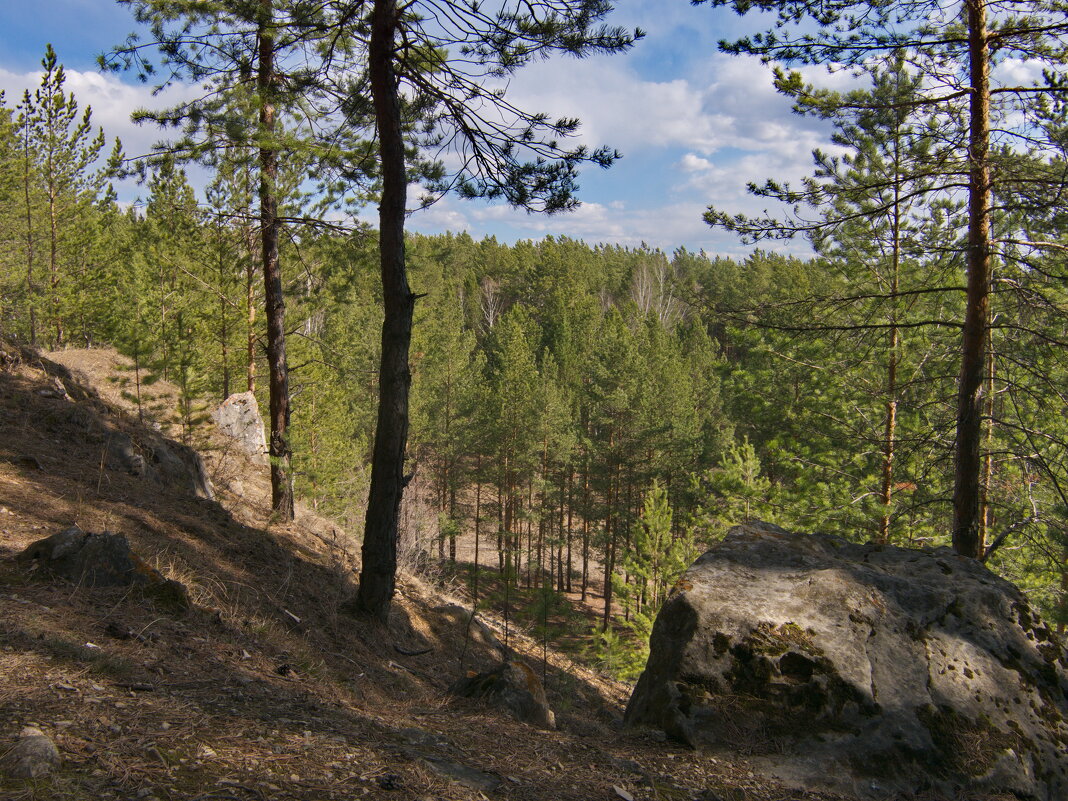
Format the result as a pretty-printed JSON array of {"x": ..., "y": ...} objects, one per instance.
[{"x": 584, "y": 413}]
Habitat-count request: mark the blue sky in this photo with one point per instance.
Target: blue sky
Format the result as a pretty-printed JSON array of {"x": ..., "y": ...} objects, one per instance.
[{"x": 693, "y": 125}]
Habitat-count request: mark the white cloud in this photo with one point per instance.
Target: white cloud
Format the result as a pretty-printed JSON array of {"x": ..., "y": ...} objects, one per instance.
[
  {"x": 692, "y": 163},
  {"x": 729, "y": 102},
  {"x": 1017, "y": 72}
]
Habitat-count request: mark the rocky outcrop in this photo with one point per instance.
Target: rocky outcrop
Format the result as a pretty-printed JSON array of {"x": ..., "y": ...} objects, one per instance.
[
  {"x": 864, "y": 668},
  {"x": 103, "y": 560},
  {"x": 177, "y": 465},
  {"x": 164, "y": 461},
  {"x": 514, "y": 686},
  {"x": 239, "y": 417}
]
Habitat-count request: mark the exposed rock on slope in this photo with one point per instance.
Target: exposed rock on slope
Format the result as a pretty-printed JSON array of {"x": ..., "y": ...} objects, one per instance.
[
  {"x": 103, "y": 560},
  {"x": 869, "y": 668},
  {"x": 239, "y": 418}
]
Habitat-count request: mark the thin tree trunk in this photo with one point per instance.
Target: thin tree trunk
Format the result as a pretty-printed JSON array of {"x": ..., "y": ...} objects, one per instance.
[
  {"x": 378, "y": 576},
  {"x": 53, "y": 255},
  {"x": 278, "y": 377},
  {"x": 967, "y": 463},
  {"x": 891, "y": 367},
  {"x": 610, "y": 541},
  {"x": 224, "y": 329},
  {"x": 985, "y": 510},
  {"x": 452, "y": 525},
  {"x": 570, "y": 488},
  {"x": 585, "y": 528},
  {"x": 561, "y": 536}
]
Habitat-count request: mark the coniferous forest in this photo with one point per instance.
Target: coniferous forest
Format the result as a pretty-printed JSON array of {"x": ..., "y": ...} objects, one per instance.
[{"x": 586, "y": 416}]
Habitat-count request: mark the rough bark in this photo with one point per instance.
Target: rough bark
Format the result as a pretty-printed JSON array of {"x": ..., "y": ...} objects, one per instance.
[
  {"x": 377, "y": 577},
  {"x": 278, "y": 370},
  {"x": 967, "y": 464}
]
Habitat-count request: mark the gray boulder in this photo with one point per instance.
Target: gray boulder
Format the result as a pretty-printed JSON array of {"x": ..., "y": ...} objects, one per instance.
[
  {"x": 169, "y": 463},
  {"x": 34, "y": 755},
  {"x": 239, "y": 417},
  {"x": 514, "y": 686},
  {"x": 868, "y": 669},
  {"x": 177, "y": 465}
]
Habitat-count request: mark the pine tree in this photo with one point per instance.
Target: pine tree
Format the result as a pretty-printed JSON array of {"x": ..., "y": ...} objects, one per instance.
[
  {"x": 519, "y": 161},
  {"x": 12, "y": 296},
  {"x": 65, "y": 150}
]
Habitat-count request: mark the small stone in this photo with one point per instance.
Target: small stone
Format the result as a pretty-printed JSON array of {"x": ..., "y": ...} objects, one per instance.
[{"x": 165, "y": 725}]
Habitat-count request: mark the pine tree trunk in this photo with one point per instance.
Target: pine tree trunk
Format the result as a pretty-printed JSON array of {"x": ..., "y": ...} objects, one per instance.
[
  {"x": 53, "y": 255},
  {"x": 224, "y": 330},
  {"x": 452, "y": 525},
  {"x": 378, "y": 576},
  {"x": 610, "y": 542},
  {"x": 278, "y": 371},
  {"x": 967, "y": 463},
  {"x": 478, "y": 527},
  {"x": 585, "y": 529}
]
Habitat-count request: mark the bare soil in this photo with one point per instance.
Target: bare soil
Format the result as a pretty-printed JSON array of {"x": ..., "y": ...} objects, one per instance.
[{"x": 265, "y": 689}]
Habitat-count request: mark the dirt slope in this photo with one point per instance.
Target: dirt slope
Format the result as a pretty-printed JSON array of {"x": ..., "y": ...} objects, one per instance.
[{"x": 264, "y": 690}]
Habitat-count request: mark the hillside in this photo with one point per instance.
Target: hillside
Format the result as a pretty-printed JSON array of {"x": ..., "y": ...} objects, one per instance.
[{"x": 264, "y": 689}]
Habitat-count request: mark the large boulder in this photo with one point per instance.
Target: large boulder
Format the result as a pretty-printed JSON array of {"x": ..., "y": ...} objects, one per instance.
[
  {"x": 871, "y": 669},
  {"x": 177, "y": 465},
  {"x": 239, "y": 417},
  {"x": 514, "y": 686},
  {"x": 33, "y": 756},
  {"x": 103, "y": 559},
  {"x": 169, "y": 463}
]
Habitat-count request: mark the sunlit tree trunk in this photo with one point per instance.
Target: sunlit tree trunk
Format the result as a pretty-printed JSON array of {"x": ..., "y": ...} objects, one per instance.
[{"x": 377, "y": 578}]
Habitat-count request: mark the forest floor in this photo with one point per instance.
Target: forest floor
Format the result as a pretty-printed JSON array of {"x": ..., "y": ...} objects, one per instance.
[{"x": 265, "y": 689}]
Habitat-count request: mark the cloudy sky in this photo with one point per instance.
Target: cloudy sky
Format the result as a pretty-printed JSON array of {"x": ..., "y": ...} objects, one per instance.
[{"x": 693, "y": 125}]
